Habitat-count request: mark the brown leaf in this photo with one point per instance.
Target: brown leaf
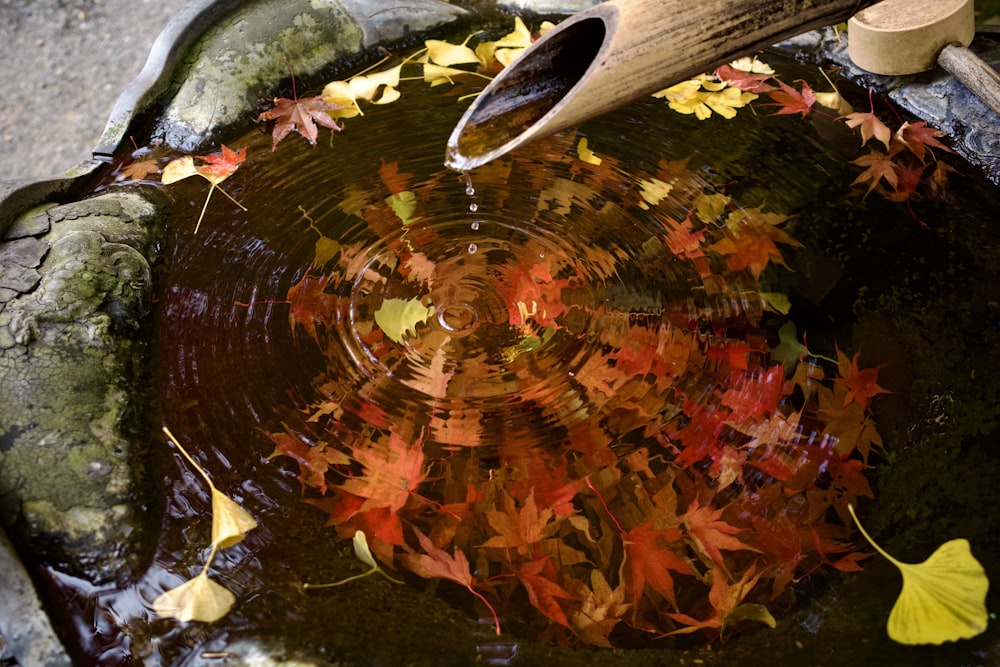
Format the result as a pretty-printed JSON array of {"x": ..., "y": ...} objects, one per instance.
[{"x": 302, "y": 115}]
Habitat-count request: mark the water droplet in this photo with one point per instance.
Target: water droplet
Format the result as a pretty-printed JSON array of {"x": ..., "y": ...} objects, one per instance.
[
  {"x": 475, "y": 225},
  {"x": 473, "y": 248},
  {"x": 473, "y": 207},
  {"x": 469, "y": 190}
]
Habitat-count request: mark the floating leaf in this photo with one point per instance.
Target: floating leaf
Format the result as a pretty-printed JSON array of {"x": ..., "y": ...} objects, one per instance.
[
  {"x": 198, "y": 599},
  {"x": 230, "y": 522},
  {"x": 943, "y": 599},
  {"x": 398, "y": 317},
  {"x": 215, "y": 169}
]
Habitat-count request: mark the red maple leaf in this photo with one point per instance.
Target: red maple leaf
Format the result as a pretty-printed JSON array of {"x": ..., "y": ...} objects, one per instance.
[
  {"x": 544, "y": 593},
  {"x": 649, "y": 559},
  {"x": 220, "y": 166},
  {"x": 311, "y": 304},
  {"x": 919, "y": 136},
  {"x": 745, "y": 81},
  {"x": 907, "y": 181},
  {"x": 791, "y": 101},
  {"x": 699, "y": 437},
  {"x": 302, "y": 115},
  {"x": 755, "y": 395}
]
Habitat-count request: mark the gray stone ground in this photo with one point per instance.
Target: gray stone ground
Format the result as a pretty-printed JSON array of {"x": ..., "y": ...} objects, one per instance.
[{"x": 63, "y": 64}]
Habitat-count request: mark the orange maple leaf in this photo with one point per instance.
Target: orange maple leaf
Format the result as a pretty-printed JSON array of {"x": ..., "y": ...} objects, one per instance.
[
  {"x": 870, "y": 126},
  {"x": 878, "y": 166},
  {"x": 392, "y": 470},
  {"x": 520, "y": 528},
  {"x": 313, "y": 460},
  {"x": 726, "y": 598},
  {"x": 710, "y": 534},
  {"x": 861, "y": 384}
]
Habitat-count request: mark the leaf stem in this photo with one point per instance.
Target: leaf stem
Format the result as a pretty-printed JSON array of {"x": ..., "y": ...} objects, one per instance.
[
  {"x": 204, "y": 208},
  {"x": 850, "y": 508},
  {"x": 193, "y": 463}
]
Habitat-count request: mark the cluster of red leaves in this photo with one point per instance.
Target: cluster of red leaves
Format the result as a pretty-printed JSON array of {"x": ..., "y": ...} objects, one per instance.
[
  {"x": 736, "y": 487},
  {"x": 898, "y": 170}
]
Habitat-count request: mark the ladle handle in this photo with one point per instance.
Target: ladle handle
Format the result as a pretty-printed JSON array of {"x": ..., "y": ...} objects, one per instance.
[{"x": 982, "y": 80}]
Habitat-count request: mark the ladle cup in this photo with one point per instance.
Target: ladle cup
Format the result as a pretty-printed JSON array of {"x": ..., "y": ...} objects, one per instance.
[{"x": 910, "y": 36}]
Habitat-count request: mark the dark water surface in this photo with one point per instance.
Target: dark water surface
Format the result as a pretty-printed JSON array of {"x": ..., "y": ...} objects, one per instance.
[{"x": 547, "y": 317}]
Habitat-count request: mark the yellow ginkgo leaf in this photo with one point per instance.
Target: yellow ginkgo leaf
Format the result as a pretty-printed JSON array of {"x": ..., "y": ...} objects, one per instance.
[
  {"x": 398, "y": 317},
  {"x": 178, "y": 170},
  {"x": 198, "y": 599},
  {"x": 447, "y": 54},
  {"x": 752, "y": 65},
  {"x": 341, "y": 93},
  {"x": 437, "y": 75},
  {"x": 230, "y": 522},
  {"x": 943, "y": 598}
]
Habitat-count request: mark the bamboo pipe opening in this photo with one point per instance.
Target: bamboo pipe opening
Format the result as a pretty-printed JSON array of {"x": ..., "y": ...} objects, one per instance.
[{"x": 525, "y": 93}]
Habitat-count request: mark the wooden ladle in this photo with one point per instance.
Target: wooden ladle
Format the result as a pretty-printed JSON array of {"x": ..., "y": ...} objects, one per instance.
[{"x": 911, "y": 36}]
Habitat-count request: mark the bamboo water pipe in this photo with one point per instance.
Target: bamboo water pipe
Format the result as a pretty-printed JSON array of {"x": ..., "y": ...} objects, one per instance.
[{"x": 619, "y": 51}]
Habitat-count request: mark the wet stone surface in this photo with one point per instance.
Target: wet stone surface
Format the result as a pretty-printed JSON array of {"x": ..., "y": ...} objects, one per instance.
[{"x": 76, "y": 290}]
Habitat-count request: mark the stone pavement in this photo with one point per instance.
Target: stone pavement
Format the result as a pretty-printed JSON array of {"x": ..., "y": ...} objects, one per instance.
[{"x": 63, "y": 64}]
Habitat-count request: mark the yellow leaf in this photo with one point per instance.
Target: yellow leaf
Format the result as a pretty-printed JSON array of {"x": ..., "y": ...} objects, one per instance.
[
  {"x": 726, "y": 101},
  {"x": 585, "y": 153},
  {"x": 404, "y": 205},
  {"x": 753, "y": 65},
  {"x": 943, "y": 598},
  {"x": 437, "y": 75},
  {"x": 178, "y": 170},
  {"x": 447, "y": 54},
  {"x": 198, "y": 599},
  {"x": 834, "y": 101},
  {"x": 230, "y": 522},
  {"x": 398, "y": 317},
  {"x": 777, "y": 302},
  {"x": 341, "y": 93},
  {"x": 653, "y": 191}
]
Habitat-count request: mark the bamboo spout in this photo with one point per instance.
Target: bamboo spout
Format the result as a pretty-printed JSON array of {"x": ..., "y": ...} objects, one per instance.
[{"x": 611, "y": 54}]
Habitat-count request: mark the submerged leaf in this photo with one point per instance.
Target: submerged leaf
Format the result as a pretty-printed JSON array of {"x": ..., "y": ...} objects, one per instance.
[
  {"x": 198, "y": 599},
  {"x": 943, "y": 598},
  {"x": 398, "y": 317}
]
